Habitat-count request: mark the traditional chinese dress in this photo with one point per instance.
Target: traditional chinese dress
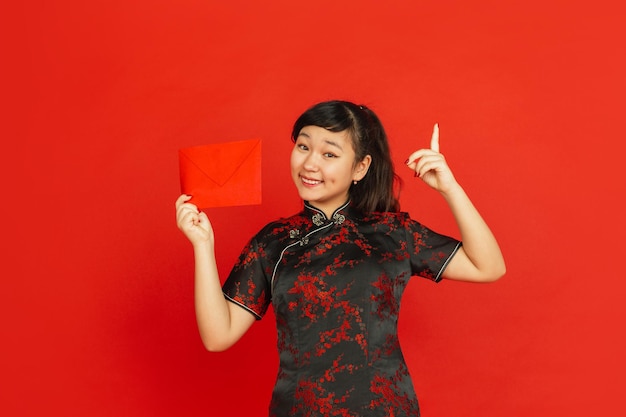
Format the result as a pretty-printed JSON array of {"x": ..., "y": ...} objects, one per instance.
[{"x": 335, "y": 285}]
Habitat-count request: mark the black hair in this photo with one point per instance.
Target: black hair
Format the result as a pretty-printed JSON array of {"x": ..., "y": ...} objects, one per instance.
[{"x": 376, "y": 191}]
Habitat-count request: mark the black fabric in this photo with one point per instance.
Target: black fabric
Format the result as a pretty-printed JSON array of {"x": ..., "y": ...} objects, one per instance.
[{"x": 335, "y": 286}]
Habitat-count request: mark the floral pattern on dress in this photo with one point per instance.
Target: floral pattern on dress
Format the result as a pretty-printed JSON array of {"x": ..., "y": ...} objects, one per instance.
[{"x": 335, "y": 285}]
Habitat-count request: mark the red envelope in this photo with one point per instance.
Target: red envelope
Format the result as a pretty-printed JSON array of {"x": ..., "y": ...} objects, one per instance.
[{"x": 222, "y": 174}]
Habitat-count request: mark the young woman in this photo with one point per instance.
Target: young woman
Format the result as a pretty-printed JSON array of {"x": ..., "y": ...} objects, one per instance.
[{"x": 335, "y": 272}]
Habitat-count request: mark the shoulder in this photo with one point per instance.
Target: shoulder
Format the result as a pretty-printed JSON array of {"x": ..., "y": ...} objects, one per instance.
[
  {"x": 388, "y": 217},
  {"x": 388, "y": 222},
  {"x": 267, "y": 243},
  {"x": 280, "y": 228}
]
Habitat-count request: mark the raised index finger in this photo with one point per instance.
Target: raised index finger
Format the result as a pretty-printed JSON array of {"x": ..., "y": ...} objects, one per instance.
[{"x": 434, "y": 141}]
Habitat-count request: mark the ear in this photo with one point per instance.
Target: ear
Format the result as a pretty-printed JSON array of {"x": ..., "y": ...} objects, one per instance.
[{"x": 361, "y": 168}]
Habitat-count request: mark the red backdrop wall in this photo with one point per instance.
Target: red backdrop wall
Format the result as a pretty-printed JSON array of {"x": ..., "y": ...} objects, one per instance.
[{"x": 97, "y": 311}]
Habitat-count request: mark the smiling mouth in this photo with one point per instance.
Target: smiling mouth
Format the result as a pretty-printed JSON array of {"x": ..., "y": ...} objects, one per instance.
[{"x": 308, "y": 181}]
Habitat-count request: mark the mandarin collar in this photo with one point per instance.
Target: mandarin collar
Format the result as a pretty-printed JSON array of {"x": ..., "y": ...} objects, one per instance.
[{"x": 318, "y": 217}]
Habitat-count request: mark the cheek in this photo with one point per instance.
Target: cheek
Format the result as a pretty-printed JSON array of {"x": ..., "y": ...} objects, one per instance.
[
  {"x": 336, "y": 174},
  {"x": 293, "y": 160}
]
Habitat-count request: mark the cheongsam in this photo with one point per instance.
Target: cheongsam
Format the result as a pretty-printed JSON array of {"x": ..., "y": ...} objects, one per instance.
[{"x": 335, "y": 286}]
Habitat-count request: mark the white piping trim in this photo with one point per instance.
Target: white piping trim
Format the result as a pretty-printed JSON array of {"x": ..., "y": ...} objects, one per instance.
[
  {"x": 298, "y": 242},
  {"x": 290, "y": 245},
  {"x": 445, "y": 264},
  {"x": 242, "y": 306}
]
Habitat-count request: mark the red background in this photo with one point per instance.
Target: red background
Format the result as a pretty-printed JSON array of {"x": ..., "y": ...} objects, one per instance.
[{"x": 96, "y": 312}]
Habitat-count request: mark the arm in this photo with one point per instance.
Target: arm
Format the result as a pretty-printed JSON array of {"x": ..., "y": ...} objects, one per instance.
[
  {"x": 480, "y": 258},
  {"x": 220, "y": 322}
]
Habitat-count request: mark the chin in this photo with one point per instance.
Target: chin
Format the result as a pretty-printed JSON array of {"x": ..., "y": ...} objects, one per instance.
[{"x": 307, "y": 196}]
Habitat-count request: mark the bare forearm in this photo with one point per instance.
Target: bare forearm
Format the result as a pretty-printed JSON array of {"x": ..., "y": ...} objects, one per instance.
[
  {"x": 212, "y": 309},
  {"x": 479, "y": 243},
  {"x": 220, "y": 322}
]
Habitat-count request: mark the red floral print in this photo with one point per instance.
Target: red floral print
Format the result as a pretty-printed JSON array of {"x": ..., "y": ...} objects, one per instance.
[{"x": 335, "y": 286}]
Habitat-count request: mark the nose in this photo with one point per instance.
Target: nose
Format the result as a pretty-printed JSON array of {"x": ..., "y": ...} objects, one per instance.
[{"x": 310, "y": 162}]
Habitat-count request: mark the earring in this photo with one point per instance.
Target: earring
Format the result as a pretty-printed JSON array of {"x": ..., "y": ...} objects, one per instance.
[{"x": 354, "y": 182}]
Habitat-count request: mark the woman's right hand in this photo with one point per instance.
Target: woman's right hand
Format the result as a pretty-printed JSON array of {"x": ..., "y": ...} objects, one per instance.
[{"x": 192, "y": 222}]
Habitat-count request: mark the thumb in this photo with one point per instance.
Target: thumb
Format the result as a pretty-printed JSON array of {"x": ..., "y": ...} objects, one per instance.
[{"x": 203, "y": 221}]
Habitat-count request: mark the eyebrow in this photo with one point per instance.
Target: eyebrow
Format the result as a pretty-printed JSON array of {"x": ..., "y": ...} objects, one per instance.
[{"x": 330, "y": 142}]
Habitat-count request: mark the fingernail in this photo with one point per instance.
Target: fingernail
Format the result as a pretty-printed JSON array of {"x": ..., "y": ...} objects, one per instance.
[
  {"x": 406, "y": 162},
  {"x": 417, "y": 174}
]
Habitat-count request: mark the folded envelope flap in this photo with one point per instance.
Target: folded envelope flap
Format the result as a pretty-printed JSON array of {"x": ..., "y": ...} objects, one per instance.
[{"x": 220, "y": 161}]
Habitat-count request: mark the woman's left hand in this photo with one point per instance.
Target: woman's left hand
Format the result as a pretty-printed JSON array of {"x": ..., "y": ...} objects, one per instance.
[{"x": 430, "y": 165}]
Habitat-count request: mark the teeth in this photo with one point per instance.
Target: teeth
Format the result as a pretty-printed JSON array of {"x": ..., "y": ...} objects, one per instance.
[{"x": 310, "y": 182}]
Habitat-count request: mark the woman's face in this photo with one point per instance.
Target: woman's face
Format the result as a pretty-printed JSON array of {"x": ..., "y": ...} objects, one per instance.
[{"x": 323, "y": 167}]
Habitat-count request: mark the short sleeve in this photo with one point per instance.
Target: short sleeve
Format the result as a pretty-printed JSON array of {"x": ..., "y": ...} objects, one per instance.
[
  {"x": 430, "y": 251},
  {"x": 247, "y": 284}
]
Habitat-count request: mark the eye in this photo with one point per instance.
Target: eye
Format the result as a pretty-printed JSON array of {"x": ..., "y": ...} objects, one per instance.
[
  {"x": 330, "y": 155},
  {"x": 302, "y": 147}
]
